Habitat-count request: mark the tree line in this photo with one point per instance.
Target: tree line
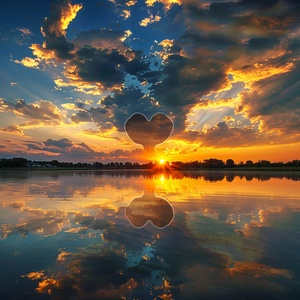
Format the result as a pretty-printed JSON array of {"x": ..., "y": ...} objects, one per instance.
[{"x": 211, "y": 163}]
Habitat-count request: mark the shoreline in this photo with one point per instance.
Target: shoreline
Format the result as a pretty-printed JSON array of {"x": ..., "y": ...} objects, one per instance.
[{"x": 253, "y": 169}]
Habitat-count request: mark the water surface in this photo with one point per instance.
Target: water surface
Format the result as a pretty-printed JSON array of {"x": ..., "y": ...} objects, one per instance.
[{"x": 66, "y": 235}]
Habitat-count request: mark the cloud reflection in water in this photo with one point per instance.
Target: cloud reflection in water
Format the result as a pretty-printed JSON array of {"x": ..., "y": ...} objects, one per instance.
[{"x": 228, "y": 238}]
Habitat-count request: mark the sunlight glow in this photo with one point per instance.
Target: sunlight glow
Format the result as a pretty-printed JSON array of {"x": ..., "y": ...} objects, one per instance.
[{"x": 162, "y": 161}]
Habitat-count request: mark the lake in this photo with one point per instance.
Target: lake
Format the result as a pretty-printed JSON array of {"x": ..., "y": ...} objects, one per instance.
[{"x": 145, "y": 235}]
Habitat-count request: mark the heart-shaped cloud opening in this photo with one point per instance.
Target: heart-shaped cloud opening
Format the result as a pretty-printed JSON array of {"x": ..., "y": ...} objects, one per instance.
[
  {"x": 149, "y": 133},
  {"x": 149, "y": 208}
]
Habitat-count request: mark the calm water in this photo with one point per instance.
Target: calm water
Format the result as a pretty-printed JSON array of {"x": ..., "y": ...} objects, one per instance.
[{"x": 81, "y": 235}]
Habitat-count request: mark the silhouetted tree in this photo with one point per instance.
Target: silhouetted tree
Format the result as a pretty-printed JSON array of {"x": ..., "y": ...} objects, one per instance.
[
  {"x": 213, "y": 163},
  {"x": 249, "y": 163},
  {"x": 229, "y": 163}
]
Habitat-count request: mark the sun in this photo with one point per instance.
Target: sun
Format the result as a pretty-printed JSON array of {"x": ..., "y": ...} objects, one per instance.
[{"x": 162, "y": 161}]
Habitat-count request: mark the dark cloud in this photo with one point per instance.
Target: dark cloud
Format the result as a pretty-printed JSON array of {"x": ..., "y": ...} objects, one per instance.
[
  {"x": 183, "y": 82},
  {"x": 106, "y": 67},
  {"x": 103, "y": 38},
  {"x": 258, "y": 44},
  {"x": 63, "y": 149},
  {"x": 149, "y": 133},
  {"x": 54, "y": 28},
  {"x": 275, "y": 101},
  {"x": 117, "y": 108},
  {"x": 62, "y": 143},
  {"x": 67, "y": 150},
  {"x": 96, "y": 115},
  {"x": 101, "y": 66},
  {"x": 220, "y": 38}
]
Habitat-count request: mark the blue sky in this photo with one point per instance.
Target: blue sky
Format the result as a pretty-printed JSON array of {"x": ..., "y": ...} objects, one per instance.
[{"x": 226, "y": 73}]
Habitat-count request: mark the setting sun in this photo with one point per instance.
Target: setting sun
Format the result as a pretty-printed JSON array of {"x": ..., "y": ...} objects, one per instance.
[{"x": 162, "y": 161}]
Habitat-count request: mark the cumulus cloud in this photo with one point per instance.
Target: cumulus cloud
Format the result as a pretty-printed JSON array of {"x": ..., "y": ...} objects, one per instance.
[
  {"x": 43, "y": 112},
  {"x": 183, "y": 82},
  {"x": 55, "y": 26},
  {"x": 95, "y": 61},
  {"x": 253, "y": 44}
]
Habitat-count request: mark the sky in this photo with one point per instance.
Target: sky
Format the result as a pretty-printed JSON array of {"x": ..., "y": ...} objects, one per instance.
[{"x": 225, "y": 72}]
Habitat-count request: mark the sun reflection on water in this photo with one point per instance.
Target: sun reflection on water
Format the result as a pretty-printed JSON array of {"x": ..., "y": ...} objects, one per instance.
[{"x": 226, "y": 236}]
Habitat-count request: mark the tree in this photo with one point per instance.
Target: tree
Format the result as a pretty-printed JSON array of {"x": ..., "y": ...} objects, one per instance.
[
  {"x": 213, "y": 163},
  {"x": 229, "y": 163},
  {"x": 249, "y": 163}
]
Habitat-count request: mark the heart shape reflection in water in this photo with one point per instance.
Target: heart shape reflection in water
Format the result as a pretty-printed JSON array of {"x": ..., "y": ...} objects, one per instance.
[
  {"x": 149, "y": 208},
  {"x": 149, "y": 133}
]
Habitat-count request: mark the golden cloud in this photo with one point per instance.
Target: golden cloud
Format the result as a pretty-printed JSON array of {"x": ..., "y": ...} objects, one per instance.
[
  {"x": 167, "y": 3},
  {"x": 166, "y": 43},
  {"x": 152, "y": 19},
  {"x": 15, "y": 129},
  {"x": 67, "y": 15},
  {"x": 131, "y": 2},
  {"x": 258, "y": 71},
  {"x": 125, "y": 14},
  {"x": 71, "y": 106},
  {"x": 28, "y": 62}
]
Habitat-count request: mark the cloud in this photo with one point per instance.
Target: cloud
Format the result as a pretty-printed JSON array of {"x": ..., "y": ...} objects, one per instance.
[
  {"x": 98, "y": 116},
  {"x": 15, "y": 129},
  {"x": 55, "y": 26},
  {"x": 25, "y": 31},
  {"x": 56, "y": 46},
  {"x": 20, "y": 35},
  {"x": 63, "y": 150},
  {"x": 61, "y": 144},
  {"x": 43, "y": 112},
  {"x": 131, "y": 2},
  {"x": 126, "y": 14},
  {"x": 274, "y": 101},
  {"x": 66, "y": 150},
  {"x": 152, "y": 19},
  {"x": 28, "y": 62},
  {"x": 167, "y": 3},
  {"x": 183, "y": 82},
  {"x": 103, "y": 38},
  {"x": 222, "y": 44},
  {"x": 116, "y": 109},
  {"x": 166, "y": 43},
  {"x": 149, "y": 133},
  {"x": 95, "y": 61},
  {"x": 223, "y": 136},
  {"x": 78, "y": 105}
]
